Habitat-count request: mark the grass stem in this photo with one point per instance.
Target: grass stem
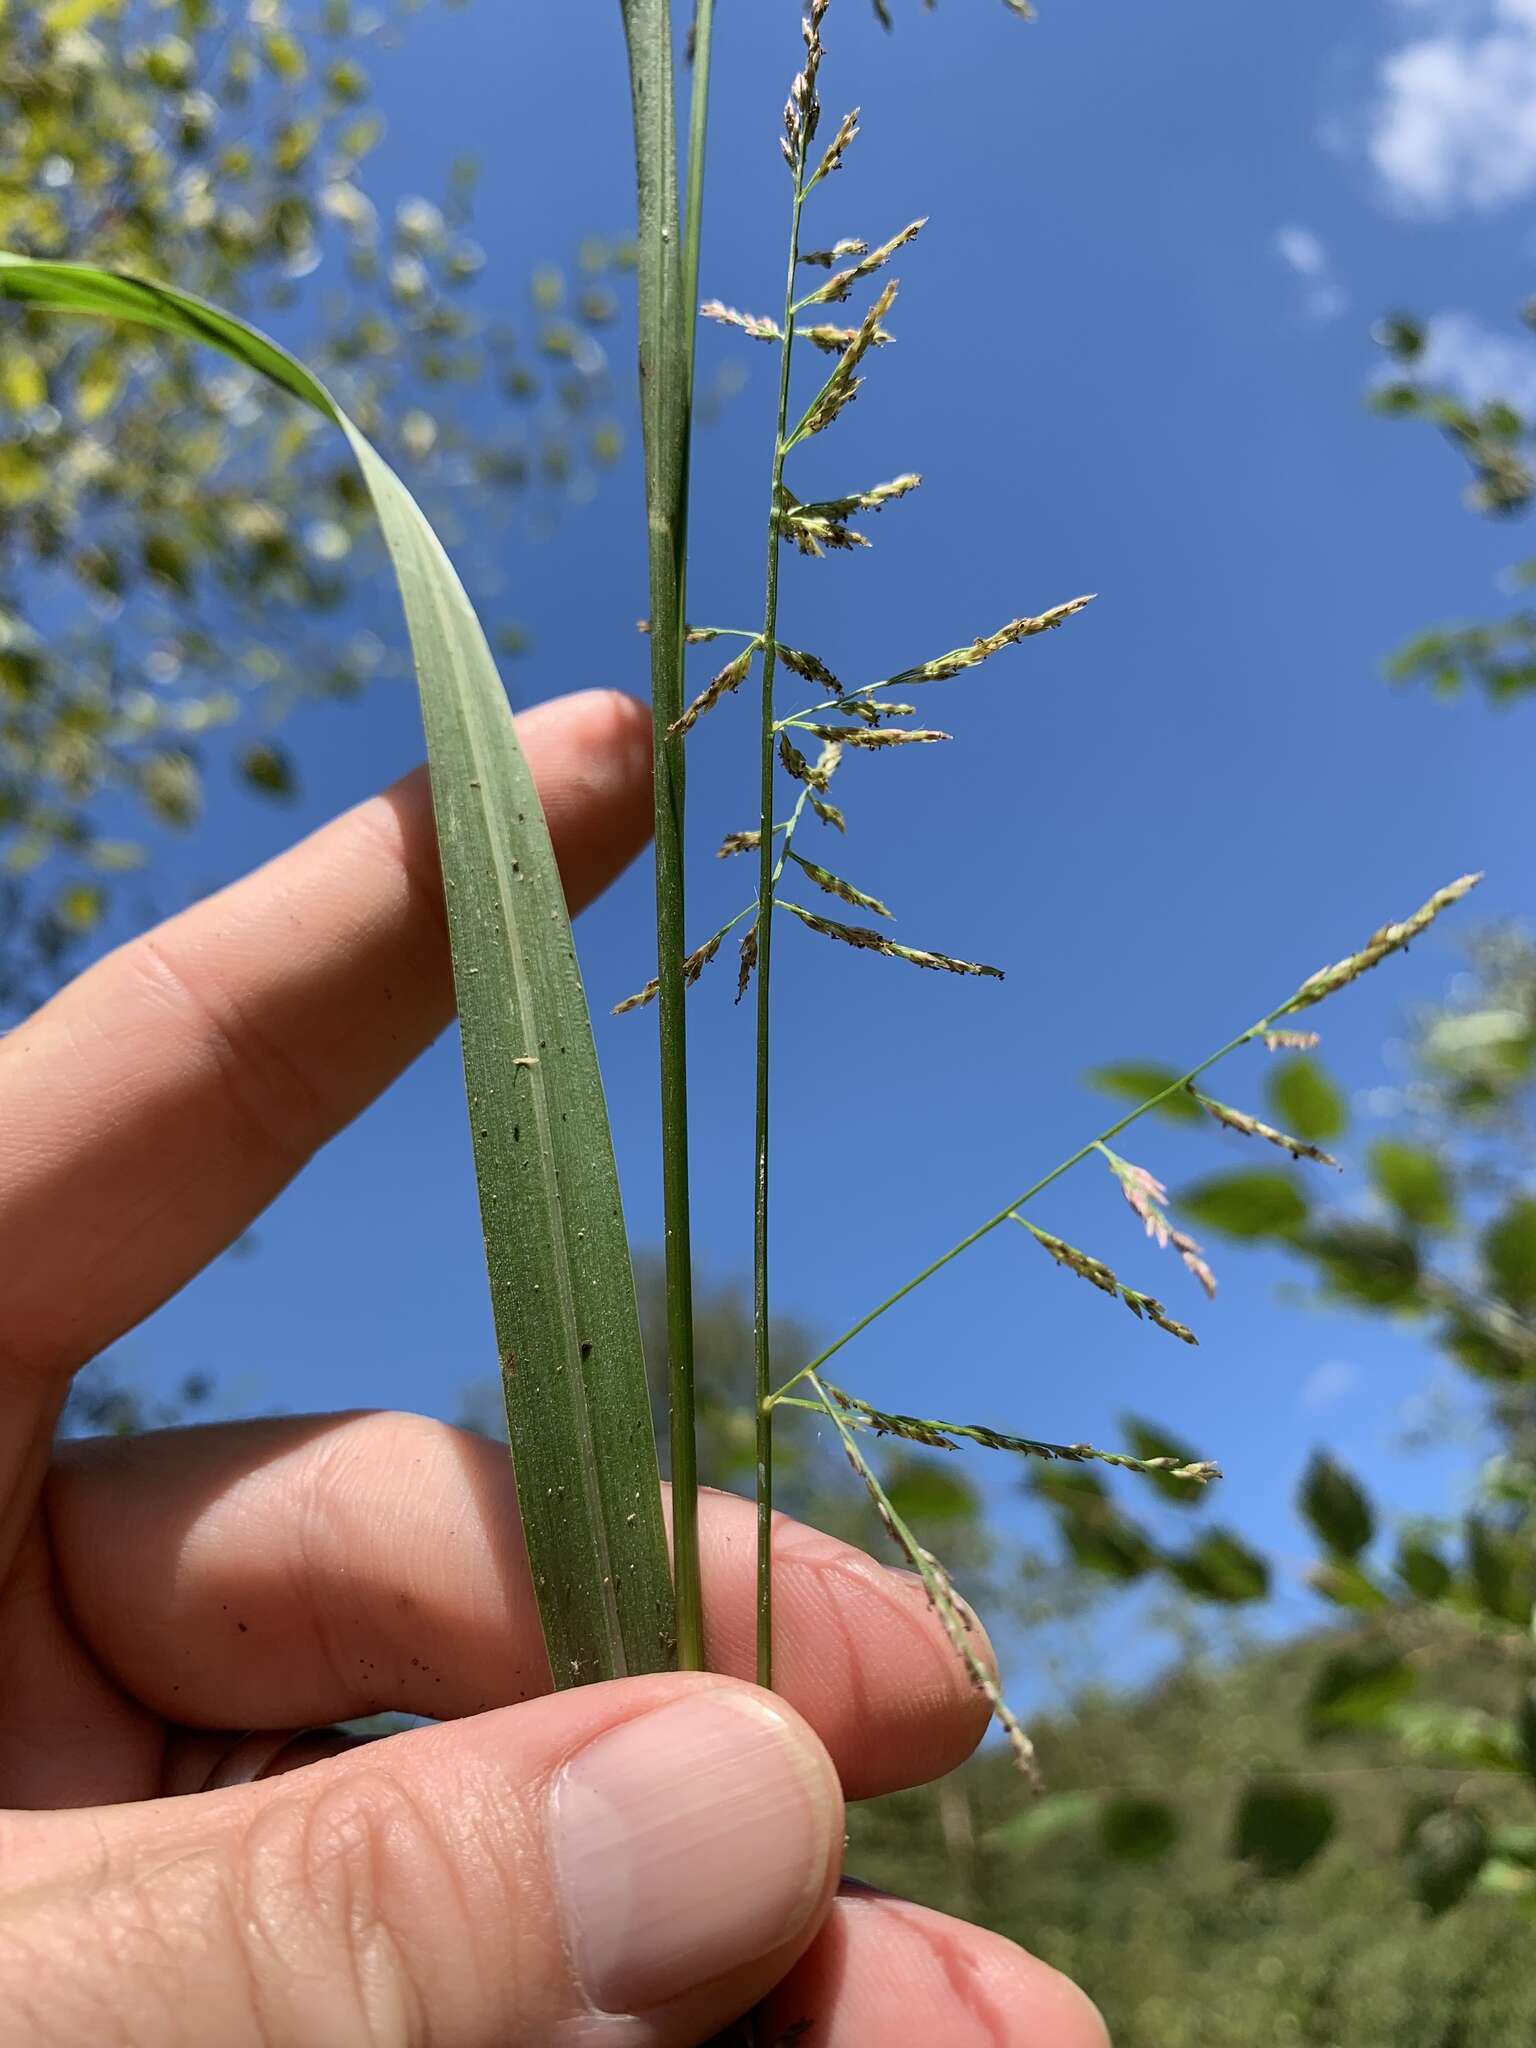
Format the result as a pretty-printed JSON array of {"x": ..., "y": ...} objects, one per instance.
[{"x": 766, "y": 876}]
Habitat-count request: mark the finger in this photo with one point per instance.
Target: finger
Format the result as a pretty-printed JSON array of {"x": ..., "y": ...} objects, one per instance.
[
  {"x": 163, "y": 1099},
  {"x": 882, "y": 1970},
  {"x": 631, "y": 1864},
  {"x": 315, "y": 1568}
]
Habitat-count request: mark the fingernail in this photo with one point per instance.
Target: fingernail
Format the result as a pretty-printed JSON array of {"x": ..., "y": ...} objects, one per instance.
[{"x": 688, "y": 1843}]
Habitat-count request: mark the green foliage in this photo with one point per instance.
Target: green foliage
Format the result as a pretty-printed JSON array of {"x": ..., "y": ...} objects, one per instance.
[
  {"x": 1414, "y": 1181},
  {"x": 1446, "y": 1847},
  {"x": 1250, "y": 1203},
  {"x": 1305, "y": 1101},
  {"x": 1219, "y": 1566},
  {"x": 1357, "y": 1688},
  {"x": 1509, "y": 1254},
  {"x": 1139, "y": 1080},
  {"x": 1134, "y": 1829},
  {"x": 1336, "y": 1507},
  {"x": 1281, "y": 1827}
]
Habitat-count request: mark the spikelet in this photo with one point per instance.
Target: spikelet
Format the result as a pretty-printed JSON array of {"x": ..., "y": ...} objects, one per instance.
[
  {"x": 802, "y": 110},
  {"x": 833, "y": 340},
  {"x": 824, "y": 524},
  {"x": 841, "y": 282},
  {"x": 729, "y": 678},
  {"x": 940, "y": 1436},
  {"x": 871, "y": 709},
  {"x": 937, "y": 1584},
  {"x": 865, "y": 736},
  {"x": 1149, "y": 1198},
  {"x": 876, "y": 942},
  {"x": 842, "y": 387},
  {"x": 811, "y": 666},
  {"x": 693, "y": 967},
  {"x": 1292, "y": 1041},
  {"x": 946, "y": 665},
  {"x": 1107, "y": 1281},
  {"x": 695, "y": 636},
  {"x": 828, "y": 259},
  {"x": 1390, "y": 939},
  {"x": 815, "y": 775},
  {"x": 748, "y": 961},
  {"x": 758, "y": 325},
  {"x": 738, "y": 842},
  {"x": 834, "y": 885},
  {"x": 1251, "y": 1127},
  {"x": 832, "y": 160},
  {"x": 829, "y": 814}
]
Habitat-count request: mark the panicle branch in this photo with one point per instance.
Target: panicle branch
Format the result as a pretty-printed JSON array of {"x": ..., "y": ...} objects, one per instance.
[
  {"x": 953, "y": 1615},
  {"x": 876, "y": 942},
  {"x": 939, "y": 1436},
  {"x": 1391, "y": 938},
  {"x": 1251, "y": 1127},
  {"x": 1107, "y": 1281}
]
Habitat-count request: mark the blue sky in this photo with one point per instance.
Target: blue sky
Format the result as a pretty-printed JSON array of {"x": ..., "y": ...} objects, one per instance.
[{"x": 1132, "y": 346}]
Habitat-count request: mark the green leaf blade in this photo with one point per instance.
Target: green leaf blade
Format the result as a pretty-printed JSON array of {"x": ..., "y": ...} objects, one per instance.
[{"x": 558, "y": 1261}]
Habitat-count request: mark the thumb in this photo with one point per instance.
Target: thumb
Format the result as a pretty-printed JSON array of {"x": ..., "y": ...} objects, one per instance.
[{"x": 636, "y": 1862}]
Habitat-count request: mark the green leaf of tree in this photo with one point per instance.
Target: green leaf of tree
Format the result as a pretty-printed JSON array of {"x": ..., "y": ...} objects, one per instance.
[
  {"x": 1446, "y": 1848},
  {"x": 1140, "y": 1080},
  {"x": 1305, "y": 1101},
  {"x": 1509, "y": 1254},
  {"x": 1134, "y": 1829},
  {"x": 1253, "y": 1203},
  {"x": 1415, "y": 1182},
  {"x": 1281, "y": 1827},
  {"x": 1336, "y": 1507},
  {"x": 1221, "y": 1567},
  {"x": 1357, "y": 1689}
]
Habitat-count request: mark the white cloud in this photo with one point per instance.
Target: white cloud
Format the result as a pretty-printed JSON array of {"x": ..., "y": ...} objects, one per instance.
[
  {"x": 1477, "y": 363},
  {"x": 1329, "y": 1383},
  {"x": 1453, "y": 125},
  {"x": 1304, "y": 253}
]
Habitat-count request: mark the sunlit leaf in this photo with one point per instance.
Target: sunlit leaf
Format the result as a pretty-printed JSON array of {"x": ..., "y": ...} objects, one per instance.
[
  {"x": 1140, "y": 1080},
  {"x": 1415, "y": 1182},
  {"x": 1253, "y": 1203},
  {"x": 1305, "y": 1101}
]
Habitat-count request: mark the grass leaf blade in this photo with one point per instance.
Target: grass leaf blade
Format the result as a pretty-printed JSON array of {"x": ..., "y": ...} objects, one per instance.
[{"x": 558, "y": 1262}]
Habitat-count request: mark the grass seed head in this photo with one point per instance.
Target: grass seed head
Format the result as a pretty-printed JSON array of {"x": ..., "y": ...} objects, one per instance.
[
  {"x": 1390, "y": 939},
  {"x": 748, "y": 961},
  {"x": 869, "y": 941},
  {"x": 842, "y": 282},
  {"x": 759, "y": 325},
  {"x": 945, "y": 665},
  {"x": 828, "y": 259},
  {"x": 729, "y": 678},
  {"x": 832, "y": 159},
  {"x": 1252, "y": 1127},
  {"x": 738, "y": 842}
]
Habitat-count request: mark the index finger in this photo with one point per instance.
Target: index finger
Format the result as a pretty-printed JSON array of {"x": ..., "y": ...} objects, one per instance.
[{"x": 157, "y": 1104}]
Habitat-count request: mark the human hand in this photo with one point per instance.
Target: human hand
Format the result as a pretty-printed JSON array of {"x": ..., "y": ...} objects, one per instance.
[{"x": 629, "y": 1863}]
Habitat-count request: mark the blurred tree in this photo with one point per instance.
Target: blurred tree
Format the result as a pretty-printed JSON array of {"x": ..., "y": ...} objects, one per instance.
[
  {"x": 1439, "y": 1661},
  {"x": 1498, "y": 443},
  {"x": 178, "y": 557}
]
